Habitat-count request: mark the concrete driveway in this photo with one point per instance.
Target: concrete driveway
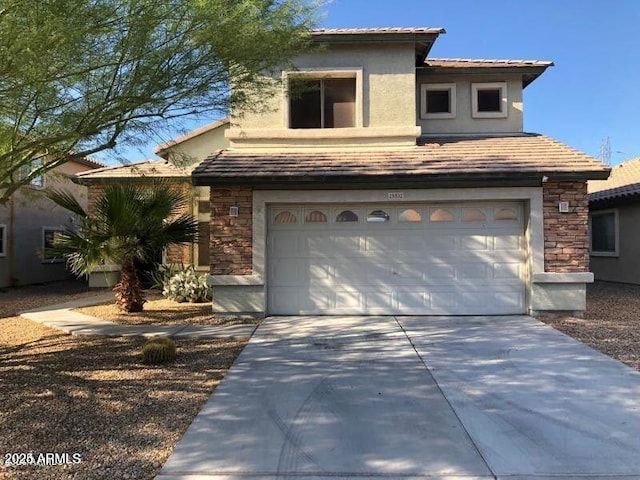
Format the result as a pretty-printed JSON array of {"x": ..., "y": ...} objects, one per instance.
[{"x": 415, "y": 397}]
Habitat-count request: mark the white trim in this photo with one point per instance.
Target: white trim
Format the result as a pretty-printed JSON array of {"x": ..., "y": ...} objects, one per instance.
[
  {"x": 43, "y": 231},
  {"x": 425, "y": 87},
  {"x": 350, "y": 72},
  {"x": 3, "y": 238},
  {"x": 616, "y": 231},
  {"x": 504, "y": 105}
]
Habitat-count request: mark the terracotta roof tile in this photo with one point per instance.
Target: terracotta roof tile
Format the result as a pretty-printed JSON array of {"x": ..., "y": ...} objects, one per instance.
[
  {"x": 494, "y": 156},
  {"x": 623, "y": 182},
  {"x": 149, "y": 168}
]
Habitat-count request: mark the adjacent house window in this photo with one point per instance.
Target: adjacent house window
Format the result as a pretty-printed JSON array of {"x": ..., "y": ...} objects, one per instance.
[
  {"x": 604, "y": 233},
  {"x": 49, "y": 235},
  {"x": 489, "y": 100},
  {"x": 438, "y": 100},
  {"x": 3, "y": 240},
  {"x": 322, "y": 102}
]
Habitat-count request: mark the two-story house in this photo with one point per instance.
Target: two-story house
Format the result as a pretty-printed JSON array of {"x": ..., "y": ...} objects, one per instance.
[
  {"x": 29, "y": 222},
  {"x": 383, "y": 181}
]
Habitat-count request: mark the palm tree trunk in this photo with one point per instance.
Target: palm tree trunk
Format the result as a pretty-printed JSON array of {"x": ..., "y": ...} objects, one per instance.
[{"x": 129, "y": 295}]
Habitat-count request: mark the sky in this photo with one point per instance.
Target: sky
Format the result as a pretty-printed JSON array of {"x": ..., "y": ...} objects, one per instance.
[{"x": 593, "y": 91}]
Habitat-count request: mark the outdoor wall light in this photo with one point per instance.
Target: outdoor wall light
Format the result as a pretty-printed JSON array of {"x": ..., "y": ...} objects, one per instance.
[{"x": 233, "y": 211}]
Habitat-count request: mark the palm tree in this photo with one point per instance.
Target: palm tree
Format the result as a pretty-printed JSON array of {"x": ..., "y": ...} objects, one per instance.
[{"x": 126, "y": 224}]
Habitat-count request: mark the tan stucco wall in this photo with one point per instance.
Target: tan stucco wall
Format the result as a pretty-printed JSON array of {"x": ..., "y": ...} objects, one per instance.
[
  {"x": 388, "y": 86},
  {"x": 626, "y": 266},
  {"x": 31, "y": 212},
  {"x": 464, "y": 122},
  {"x": 194, "y": 150}
]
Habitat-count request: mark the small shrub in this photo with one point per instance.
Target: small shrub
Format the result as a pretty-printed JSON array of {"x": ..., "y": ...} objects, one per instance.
[
  {"x": 159, "y": 350},
  {"x": 187, "y": 285}
]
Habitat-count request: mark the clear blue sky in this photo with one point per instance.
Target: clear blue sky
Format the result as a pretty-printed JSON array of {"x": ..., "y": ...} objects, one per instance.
[{"x": 593, "y": 91}]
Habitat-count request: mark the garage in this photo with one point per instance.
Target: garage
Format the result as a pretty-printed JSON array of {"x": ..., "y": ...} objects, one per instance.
[{"x": 428, "y": 259}]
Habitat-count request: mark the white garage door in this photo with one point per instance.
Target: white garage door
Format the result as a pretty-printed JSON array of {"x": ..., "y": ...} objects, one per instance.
[{"x": 426, "y": 259}]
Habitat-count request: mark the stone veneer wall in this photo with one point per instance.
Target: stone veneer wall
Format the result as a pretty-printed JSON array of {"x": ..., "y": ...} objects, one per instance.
[
  {"x": 566, "y": 237},
  {"x": 231, "y": 238}
]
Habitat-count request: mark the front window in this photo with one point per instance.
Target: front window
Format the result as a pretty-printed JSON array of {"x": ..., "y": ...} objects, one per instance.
[
  {"x": 322, "y": 102},
  {"x": 49, "y": 236},
  {"x": 489, "y": 100},
  {"x": 438, "y": 100},
  {"x": 26, "y": 169},
  {"x": 604, "y": 233}
]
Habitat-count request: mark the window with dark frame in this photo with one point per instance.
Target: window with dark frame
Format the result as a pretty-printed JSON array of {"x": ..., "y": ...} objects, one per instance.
[
  {"x": 49, "y": 236},
  {"x": 438, "y": 101},
  {"x": 322, "y": 103},
  {"x": 603, "y": 233},
  {"x": 3, "y": 240},
  {"x": 489, "y": 100}
]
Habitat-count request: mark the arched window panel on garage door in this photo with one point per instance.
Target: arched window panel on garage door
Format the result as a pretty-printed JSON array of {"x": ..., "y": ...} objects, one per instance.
[
  {"x": 473, "y": 215},
  {"x": 378, "y": 216},
  {"x": 315, "y": 216},
  {"x": 346, "y": 216},
  {"x": 285, "y": 217},
  {"x": 409, "y": 215},
  {"x": 441, "y": 214},
  {"x": 506, "y": 214}
]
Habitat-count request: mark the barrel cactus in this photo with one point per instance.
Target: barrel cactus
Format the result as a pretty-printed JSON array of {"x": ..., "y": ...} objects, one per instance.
[{"x": 159, "y": 350}]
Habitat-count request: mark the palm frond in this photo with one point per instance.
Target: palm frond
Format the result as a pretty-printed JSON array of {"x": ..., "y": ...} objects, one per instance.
[{"x": 67, "y": 201}]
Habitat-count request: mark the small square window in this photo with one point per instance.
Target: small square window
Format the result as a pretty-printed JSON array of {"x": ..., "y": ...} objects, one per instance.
[
  {"x": 438, "y": 100},
  {"x": 489, "y": 100},
  {"x": 604, "y": 233},
  {"x": 3, "y": 240}
]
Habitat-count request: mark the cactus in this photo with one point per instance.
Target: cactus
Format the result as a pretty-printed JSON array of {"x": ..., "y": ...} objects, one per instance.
[{"x": 159, "y": 350}]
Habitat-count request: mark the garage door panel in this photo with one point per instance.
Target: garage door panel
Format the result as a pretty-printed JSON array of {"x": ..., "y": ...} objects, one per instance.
[{"x": 438, "y": 263}]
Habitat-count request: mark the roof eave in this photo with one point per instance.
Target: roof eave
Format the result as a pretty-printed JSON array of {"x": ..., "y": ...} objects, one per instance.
[
  {"x": 440, "y": 180},
  {"x": 529, "y": 73}
]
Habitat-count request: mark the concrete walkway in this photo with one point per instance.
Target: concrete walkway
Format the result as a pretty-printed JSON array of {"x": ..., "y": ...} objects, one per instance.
[
  {"x": 63, "y": 317},
  {"x": 457, "y": 398}
]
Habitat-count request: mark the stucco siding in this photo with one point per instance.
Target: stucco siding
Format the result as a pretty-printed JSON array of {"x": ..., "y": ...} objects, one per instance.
[
  {"x": 625, "y": 267},
  {"x": 386, "y": 98},
  {"x": 25, "y": 215},
  {"x": 464, "y": 121},
  {"x": 192, "y": 151}
]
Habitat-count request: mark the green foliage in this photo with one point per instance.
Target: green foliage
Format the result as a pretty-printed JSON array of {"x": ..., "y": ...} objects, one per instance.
[
  {"x": 159, "y": 350},
  {"x": 187, "y": 285},
  {"x": 80, "y": 77},
  {"x": 128, "y": 222}
]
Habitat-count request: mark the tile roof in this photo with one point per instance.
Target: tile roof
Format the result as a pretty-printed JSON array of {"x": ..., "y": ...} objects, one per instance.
[
  {"x": 188, "y": 136},
  {"x": 148, "y": 168},
  {"x": 90, "y": 162},
  {"x": 483, "y": 63},
  {"x": 494, "y": 157},
  {"x": 377, "y": 30},
  {"x": 623, "y": 182}
]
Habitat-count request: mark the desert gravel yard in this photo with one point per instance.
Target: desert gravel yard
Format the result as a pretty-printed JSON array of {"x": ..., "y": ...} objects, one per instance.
[
  {"x": 92, "y": 396},
  {"x": 612, "y": 323}
]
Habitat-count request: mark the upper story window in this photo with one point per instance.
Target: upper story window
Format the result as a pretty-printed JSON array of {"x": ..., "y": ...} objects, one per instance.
[
  {"x": 438, "y": 100},
  {"x": 327, "y": 102},
  {"x": 604, "y": 233},
  {"x": 489, "y": 100}
]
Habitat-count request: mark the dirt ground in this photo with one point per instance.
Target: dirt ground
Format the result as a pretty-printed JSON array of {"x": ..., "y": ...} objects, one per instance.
[
  {"x": 611, "y": 324},
  {"x": 93, "y": 397}
]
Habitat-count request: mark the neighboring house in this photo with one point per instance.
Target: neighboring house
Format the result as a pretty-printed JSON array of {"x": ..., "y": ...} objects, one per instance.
[
  {"x": 28, "y": 223},
  {"x": 388, "y": 182},
  {"x": 614, "y": 223},
  {"x": 180, "y": 156}
]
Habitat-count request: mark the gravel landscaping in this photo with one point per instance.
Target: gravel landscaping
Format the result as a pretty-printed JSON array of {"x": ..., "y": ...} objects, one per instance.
[
  {"x": 160, "y": 311},
  {"x": 612, "y": 323},
  {"x": 92, "y": 396}
]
